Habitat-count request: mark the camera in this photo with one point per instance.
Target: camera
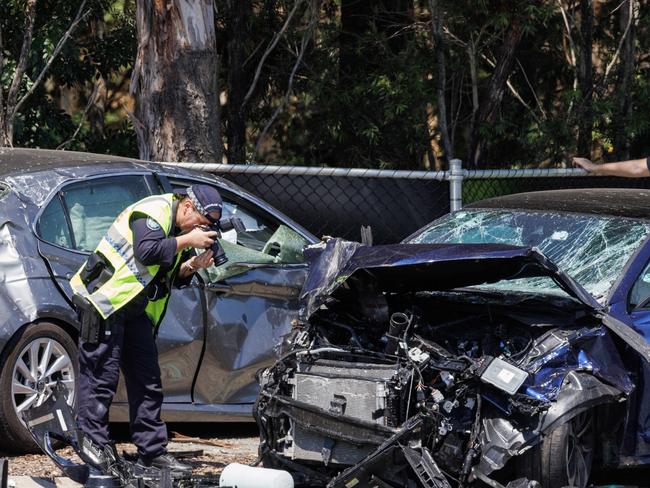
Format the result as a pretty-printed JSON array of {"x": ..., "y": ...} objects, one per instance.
[{"x": 223, "y": 225}]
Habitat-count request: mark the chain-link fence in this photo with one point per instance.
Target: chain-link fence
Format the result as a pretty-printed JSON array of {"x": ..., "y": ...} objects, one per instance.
[
  {"x": 479, "y": 185},
  {"x": 338, "y": 201}
]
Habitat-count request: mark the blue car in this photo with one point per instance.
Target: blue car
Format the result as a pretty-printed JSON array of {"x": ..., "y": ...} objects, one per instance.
[{"x": 502, "y": 345}]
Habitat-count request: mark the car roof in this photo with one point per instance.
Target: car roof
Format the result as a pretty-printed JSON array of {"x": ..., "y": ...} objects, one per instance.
[
  {"x": 616, "y": 202},
  {"x": 14, "y": 160},
  {"x": 35, "y": 173}
]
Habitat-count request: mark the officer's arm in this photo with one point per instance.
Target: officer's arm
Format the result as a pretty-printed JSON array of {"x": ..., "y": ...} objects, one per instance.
[
  {"x": 150, "y": 245},
  {"x": 197, "y": 238}
]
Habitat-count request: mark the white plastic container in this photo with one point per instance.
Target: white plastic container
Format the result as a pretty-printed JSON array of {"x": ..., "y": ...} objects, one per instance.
[{"x": 237, "y": 475}]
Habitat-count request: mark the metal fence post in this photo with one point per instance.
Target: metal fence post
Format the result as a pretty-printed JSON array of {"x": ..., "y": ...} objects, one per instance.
[{"x": 455, "y": 185}]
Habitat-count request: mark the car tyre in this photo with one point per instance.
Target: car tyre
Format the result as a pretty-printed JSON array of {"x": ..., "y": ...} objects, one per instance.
[
  {"x": 35, "y": 358},
  {"x": 565, "y": 455}
]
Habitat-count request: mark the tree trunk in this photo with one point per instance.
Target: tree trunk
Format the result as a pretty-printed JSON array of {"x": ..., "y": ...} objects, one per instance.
[
  {"x": 585, "y": 79},
  {"x": 175, "y": 81},
  {"x": 441, "y": 79},
  {"x": 628, "y": 19},
  {"x": 9, "y": 109},
  {"x": 496, "y": 88},
  {"x": 238, "y": 14}
]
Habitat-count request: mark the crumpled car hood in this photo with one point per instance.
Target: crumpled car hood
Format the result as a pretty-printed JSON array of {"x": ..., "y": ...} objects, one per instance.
[{"x": 420, "y": 267}]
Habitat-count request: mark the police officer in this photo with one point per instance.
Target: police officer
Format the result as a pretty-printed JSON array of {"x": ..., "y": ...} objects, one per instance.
[{"x": 122, "y": 292}]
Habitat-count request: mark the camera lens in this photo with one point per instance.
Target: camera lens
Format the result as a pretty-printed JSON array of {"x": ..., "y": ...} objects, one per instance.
[{"x": 219, "y": 255}]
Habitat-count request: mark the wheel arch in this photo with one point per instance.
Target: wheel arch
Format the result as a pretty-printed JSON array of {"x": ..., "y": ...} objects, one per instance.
[
  {"x": 72, "y": 329},
  {"x": 502, "y": 441}
]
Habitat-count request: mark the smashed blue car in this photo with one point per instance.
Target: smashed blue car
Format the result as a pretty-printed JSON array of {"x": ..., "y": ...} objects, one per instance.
[{"x": 503, "y": 345}]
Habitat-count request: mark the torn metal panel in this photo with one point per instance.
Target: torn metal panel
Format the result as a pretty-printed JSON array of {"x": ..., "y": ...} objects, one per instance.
[
  {"x": 53, "y": 424},
  {"x": 501, "y": 439}
]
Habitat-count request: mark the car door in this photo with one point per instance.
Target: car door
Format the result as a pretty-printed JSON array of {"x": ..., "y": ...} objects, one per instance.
[
  {"x": 76, "y": 217},
  {"x": 251, "y": 301},
  {"x": 633, "y": 309},
  {"x": 70, "y": 227}
]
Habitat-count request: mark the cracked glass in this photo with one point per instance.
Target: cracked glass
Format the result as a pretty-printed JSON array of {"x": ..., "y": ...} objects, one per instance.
[{"x": 591, "y": 249}]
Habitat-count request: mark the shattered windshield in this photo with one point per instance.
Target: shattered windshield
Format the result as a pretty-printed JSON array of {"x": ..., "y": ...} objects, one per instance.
[{"x": 592, "y": 249}]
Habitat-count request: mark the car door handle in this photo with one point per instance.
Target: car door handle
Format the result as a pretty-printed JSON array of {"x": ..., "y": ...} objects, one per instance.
[
  {"x": 219, "y": 288},
  {"x": 252, "y": 265}
]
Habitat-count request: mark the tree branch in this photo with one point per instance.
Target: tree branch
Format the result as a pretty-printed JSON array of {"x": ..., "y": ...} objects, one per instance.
[
  {"x": 21, "y": 66},
  {"x": 471, "y": 53},
  {"x": 622, "y": 41},
  {"x": 91, "y": 101},
  {"x": 513, "y": 90},
  {"x": 78, "y": 18},
  {"x": 303, "y": 47},
  {"x": 268, "y": 51},
  {"x": 572, "y": 50},
  {"x": 532, "y": 90}
]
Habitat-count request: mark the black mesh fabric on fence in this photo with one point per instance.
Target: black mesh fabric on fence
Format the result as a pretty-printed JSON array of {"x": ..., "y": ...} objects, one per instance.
[
  {"x": 479, "y": 189},
  {"x": 394, "y": 207},
  {"x": 340, "y": 205}
]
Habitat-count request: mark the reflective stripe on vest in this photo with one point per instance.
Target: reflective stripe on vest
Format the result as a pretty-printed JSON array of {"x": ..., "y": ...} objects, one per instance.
[{"x": 130, "y": 276}]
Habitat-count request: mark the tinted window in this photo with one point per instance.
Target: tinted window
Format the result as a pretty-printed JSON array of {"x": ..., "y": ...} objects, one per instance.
[
  {"x": 52, "y": 226},
  {"x": 92, "y": 207},
  {"x": 258, "y": 230},
  {"x": 641, "y": 289}
]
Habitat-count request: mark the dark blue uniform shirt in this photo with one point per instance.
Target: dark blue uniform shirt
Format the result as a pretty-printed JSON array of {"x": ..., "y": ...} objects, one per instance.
[{"x": 151, "y": 246}]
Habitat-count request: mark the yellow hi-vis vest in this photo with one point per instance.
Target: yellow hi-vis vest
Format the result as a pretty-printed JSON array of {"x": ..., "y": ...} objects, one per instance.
[{"x": 130, "y": 276}]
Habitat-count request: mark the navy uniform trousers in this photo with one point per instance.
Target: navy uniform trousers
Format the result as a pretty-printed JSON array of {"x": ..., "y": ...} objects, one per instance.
[{"x": 131, "y": 347}]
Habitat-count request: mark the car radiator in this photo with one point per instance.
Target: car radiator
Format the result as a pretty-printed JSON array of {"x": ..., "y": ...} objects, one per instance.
[{"x": 356, "y": 390}]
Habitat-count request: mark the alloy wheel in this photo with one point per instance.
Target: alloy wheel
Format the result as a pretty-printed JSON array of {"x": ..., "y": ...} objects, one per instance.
[
  {"x": 40, "y": 365},
  {"x": 579, "y": 452}
]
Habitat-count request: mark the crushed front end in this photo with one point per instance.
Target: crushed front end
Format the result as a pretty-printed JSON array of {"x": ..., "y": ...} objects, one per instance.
[{"x": 402, "y": 374}]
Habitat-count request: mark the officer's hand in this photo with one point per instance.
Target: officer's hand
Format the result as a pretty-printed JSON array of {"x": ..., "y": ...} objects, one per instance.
[
  {"x": 584, "y": 163},
  {"x": 203, "y": 260},
  {"x": 200, "y": 238}
]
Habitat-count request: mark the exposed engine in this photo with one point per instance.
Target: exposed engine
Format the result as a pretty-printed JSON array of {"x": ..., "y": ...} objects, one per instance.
[{"x": 425, "y": 376}]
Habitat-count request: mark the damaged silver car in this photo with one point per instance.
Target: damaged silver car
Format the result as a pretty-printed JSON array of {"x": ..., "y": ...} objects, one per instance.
[
  {"x": 504, "y": 345},
  {"x": 55, "y": 206}
]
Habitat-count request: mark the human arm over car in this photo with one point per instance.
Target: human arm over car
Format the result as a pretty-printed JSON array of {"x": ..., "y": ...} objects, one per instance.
[{"x": 632, "y": 168}]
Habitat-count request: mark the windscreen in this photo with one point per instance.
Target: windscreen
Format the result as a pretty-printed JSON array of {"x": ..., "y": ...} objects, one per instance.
[{"x": 591, "y": 249}]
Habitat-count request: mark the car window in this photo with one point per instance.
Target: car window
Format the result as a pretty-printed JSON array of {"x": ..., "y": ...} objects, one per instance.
[
  {"x": 53, "y": 226},
  {"x": 641, "y": 289},
  {"x": 258, "y": 230},
  {"x": 91, "y": 207}
]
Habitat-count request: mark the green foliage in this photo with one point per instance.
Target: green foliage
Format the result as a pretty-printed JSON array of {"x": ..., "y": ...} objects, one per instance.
[
  {"x": 365, "y": 92},
  {"x": 102, "y": 45}
]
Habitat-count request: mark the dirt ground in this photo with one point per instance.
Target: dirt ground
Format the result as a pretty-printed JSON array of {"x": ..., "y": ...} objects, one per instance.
[{"x": 207, "y": 447}]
